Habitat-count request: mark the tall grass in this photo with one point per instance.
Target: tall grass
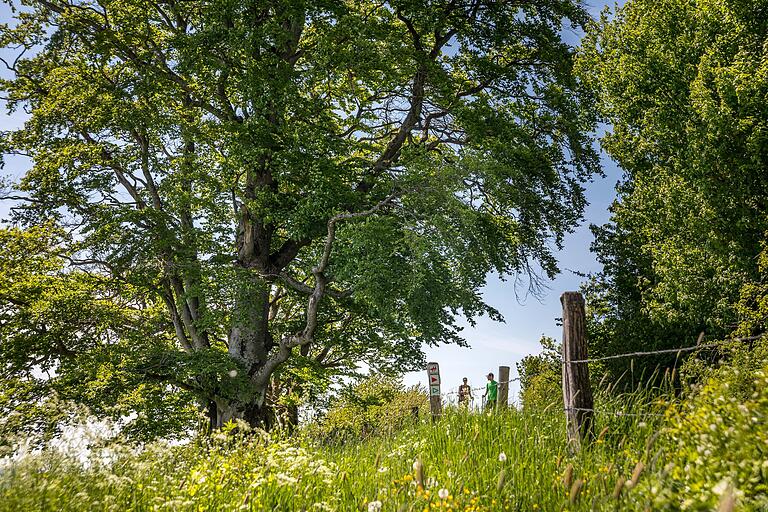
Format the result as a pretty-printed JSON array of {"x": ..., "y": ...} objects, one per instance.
[{"x": 506, "y": 460}]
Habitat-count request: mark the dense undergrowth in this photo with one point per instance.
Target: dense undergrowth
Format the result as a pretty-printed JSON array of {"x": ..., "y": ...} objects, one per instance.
[{"x": 652, "y": 452}]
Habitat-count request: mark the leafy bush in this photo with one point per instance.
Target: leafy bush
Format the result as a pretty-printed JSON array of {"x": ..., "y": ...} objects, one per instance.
[
  {"x": 376, "y": 405},
  {"x": 715, "y": 442},
  {"x": 541, "y": 377},
  {"x": 753, "y": 305}
]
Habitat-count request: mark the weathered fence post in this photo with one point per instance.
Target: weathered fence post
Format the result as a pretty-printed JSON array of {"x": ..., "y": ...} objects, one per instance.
[
  {"x": 577, "y": 392},
  {"x": 435, "y": 400},
  {"x": 503, "y": 386}
]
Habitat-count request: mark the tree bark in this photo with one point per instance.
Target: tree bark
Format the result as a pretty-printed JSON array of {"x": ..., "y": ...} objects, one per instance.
[
  {"x": 577, "y": 391},
  {"x": 249, "y": 343}
]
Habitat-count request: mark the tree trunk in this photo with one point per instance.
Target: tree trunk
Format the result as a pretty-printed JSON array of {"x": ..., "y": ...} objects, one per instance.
[
  {"x": 249, "y": 343},
  {"x": 255, "y": 413},
  {"x": 249, "y": 338}
]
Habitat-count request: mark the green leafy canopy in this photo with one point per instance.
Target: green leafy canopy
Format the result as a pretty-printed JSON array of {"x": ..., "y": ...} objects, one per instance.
[{"x": 683, "y": 86}]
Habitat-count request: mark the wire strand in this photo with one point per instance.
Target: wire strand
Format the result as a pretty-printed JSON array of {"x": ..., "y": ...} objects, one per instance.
[{"x": 663, "y": 351}]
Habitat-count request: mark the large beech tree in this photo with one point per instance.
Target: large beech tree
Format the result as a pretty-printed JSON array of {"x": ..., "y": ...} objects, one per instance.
[{"x": 311, "y": 181}]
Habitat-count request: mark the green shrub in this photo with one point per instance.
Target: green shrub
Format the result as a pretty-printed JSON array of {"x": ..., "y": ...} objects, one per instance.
[
  {"x": 541, "y": 377},
  {"x": 716, "y": 442},
  {"x": 377, "y": 405}
]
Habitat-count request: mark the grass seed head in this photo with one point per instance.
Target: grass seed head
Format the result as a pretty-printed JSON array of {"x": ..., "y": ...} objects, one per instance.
[
  {"x": 655, "y": 458},
  {"x": 575, "y": 490},
  {"x": 727, "y": 501},
  {"x": 618, "y": 487},
  {"x": 418, "y": 472},
  {"x": 650, "y": 441},
  {"x": 568, "y": 476},
  {"x": 637, "y": 472}
]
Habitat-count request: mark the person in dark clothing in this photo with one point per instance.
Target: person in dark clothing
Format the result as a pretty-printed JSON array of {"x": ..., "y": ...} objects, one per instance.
[{"x": 465, "y": 394}]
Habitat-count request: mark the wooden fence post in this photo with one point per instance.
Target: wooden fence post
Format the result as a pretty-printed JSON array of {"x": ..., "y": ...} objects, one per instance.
[
  {"x": 577, "y": 392},
  {"x": 435, "y": 400},
  {"x": 503, "y": 386}
]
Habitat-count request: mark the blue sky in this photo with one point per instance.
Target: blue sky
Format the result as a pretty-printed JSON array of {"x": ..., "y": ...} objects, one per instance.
[{"x": 492, "y": 343}]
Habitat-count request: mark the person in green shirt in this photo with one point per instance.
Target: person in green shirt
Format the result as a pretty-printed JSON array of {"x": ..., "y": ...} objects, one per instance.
[{"x": 491, "y": 391}]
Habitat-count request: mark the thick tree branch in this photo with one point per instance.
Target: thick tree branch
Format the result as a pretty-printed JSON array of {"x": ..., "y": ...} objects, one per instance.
[
  {"x": 170, "y": 303},
  {"x": 287, "y": 252},
  {"x": 199, "y": 340},
  {"x": 308, "y": 290},
  {"x": 289, "y": 342}
]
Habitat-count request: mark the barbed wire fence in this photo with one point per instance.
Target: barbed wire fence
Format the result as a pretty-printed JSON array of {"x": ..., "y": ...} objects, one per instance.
[
  {"x": 577, "y": 392},
  {"x": 578, "y": 402}
]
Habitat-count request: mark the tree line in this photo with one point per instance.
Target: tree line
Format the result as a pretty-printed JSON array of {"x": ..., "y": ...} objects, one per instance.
[{"x": 681, "y": 88}]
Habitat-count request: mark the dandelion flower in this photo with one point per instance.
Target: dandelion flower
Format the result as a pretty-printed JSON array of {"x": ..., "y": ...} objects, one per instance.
[
  {"x": 233, "y": 373},
  {"x": 374, "y": 506},
  {"x": 502, "y": 457},
  {"x": 443, "y": 494}
]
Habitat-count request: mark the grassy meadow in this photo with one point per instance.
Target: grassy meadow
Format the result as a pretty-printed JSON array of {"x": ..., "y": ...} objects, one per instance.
[
  {"x": 706, "y": 451},
  {"x": 505, "y": 461}
]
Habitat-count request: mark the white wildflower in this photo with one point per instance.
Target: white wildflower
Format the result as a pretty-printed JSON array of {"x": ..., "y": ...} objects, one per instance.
[
  {"x": 383, "y": 469},
  {"x": 374, "y": 506},
  {"x": 283, "y": 479},
  {"x": 721, "y": 487},
  {"x": 443, "y": 494},
  {"x": 502, "y": 457},
  {"x": 233, "y": 373}
]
